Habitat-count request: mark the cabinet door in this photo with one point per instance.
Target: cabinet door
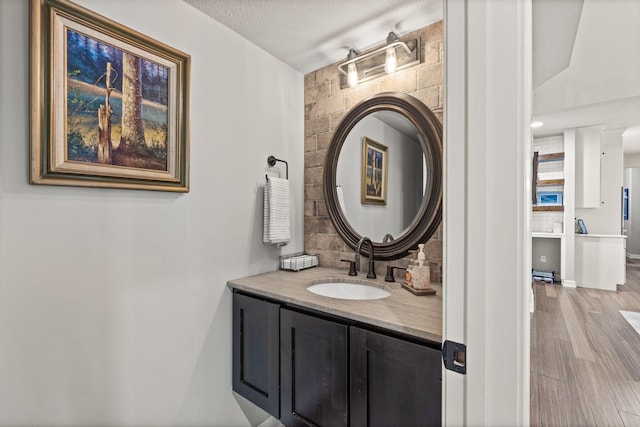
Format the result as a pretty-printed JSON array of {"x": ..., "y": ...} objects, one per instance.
[
  {"x": 314, "y": 371},
  {"x": 256, "y": 352},
  {"x": 393, "y": 382},
  {"x": 588, "y": 170}
]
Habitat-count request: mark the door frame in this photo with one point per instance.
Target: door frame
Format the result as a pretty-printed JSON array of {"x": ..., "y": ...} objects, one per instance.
[{"x": 487, "y": 209}]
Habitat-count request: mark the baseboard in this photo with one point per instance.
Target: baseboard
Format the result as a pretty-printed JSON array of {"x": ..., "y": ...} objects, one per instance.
[
  {"x": 532, "y": 302},
  {"x": 569, "y": 283},
  {"x": 633, "y": 256}
]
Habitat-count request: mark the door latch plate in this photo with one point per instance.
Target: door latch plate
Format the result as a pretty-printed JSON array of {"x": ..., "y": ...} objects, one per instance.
[{"x": 454, "y": 356}]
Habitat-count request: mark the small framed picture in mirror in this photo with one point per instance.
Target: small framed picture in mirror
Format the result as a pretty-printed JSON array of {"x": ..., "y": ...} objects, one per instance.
[{"x": 374, "y": 172}]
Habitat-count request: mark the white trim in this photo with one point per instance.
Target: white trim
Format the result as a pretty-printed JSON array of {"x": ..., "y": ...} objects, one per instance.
[
  {"x": 532, "y": 301},
  {"x": 538, "y": 235},
  {"x": 525, "y": 295},
  {"x": 633, "y": 256},
  {"x": 602, "y": 236},
  {"x": 569, "y": 283},
  {"x": 487, "y": 205},
  {"x": 454, "y": 390},
  {"x": 567, "y": 251}
]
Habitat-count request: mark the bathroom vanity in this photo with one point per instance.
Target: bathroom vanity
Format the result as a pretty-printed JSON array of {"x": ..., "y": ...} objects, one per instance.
[
  {"x": 309, "y": 359},
  {"x": 320, "y": 360}
]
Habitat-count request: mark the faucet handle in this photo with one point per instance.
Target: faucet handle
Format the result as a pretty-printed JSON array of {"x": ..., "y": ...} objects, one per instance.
[
  {"x": 389, "y": 277},
  {"x": 352, "y": 267}
]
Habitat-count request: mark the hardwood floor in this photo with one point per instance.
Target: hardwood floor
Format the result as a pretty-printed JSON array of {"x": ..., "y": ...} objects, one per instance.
[{"x": 585, "y": 357}]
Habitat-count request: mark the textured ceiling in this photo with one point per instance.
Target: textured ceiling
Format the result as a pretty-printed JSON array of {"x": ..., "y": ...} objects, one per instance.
[{"x": 309, "y": 34}]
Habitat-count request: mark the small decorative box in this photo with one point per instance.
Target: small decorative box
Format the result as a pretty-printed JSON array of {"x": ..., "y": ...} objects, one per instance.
[{"x": 298, "y": 262}]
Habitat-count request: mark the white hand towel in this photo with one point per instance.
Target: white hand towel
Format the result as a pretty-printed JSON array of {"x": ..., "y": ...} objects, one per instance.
[{"x": 276, "y": 211}]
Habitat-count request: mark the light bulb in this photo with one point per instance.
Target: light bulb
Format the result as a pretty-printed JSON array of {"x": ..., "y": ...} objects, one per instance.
[
  {"x": 352, "y": 74},
  {"x": 390, "y": 63}
]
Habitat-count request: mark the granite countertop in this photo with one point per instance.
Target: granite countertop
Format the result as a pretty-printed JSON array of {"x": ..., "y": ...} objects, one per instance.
[{"x": 418, "y": 316}]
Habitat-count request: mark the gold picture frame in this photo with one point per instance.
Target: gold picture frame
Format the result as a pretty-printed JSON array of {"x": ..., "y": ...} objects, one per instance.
[
  {"x": 374, "y": 172},
  {"x": 109, "y": 106}
]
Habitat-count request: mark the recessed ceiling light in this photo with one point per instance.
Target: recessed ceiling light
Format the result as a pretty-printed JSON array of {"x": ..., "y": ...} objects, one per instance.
[{"x": 536, "y": 124}]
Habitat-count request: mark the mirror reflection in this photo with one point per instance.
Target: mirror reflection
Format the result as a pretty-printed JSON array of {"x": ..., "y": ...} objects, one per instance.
[
  {"x": 399, "y": 173},
  {"x": 379, "y": 187}
]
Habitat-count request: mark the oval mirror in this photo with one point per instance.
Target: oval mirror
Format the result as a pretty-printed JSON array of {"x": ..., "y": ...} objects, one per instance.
[{"x": 383, "y": 174}]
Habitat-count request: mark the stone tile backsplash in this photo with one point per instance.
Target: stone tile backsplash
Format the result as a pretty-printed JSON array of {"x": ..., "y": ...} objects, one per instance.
[{"x": 325, "y": 105}]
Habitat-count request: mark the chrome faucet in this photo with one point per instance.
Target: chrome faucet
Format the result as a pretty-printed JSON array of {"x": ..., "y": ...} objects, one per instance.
[{"x": 371, "y": 274}]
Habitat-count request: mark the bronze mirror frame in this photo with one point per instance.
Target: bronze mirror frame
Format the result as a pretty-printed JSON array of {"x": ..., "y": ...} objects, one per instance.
[{"x": 429, "y": 216}]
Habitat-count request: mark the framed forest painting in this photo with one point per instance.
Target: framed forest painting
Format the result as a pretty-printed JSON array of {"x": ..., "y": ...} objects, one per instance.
[
  {"x": 374, "y": 172},
  {"x": 109, "y": 106}
]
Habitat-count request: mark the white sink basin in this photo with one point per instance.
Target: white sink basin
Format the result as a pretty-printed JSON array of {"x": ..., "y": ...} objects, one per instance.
[{"x": 351, "y": 291}]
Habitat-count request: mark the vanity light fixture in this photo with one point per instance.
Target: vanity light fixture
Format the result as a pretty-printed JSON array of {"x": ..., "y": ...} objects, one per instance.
[
  {"x": 391, "y": 61},
  {"x": 395, "y": 55},
  {"x": 352, "y": 70},
  {"x": 536, "y": 124}
]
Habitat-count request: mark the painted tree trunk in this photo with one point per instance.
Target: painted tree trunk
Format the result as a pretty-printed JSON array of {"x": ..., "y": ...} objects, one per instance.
[
  {"x": 132, "y": 139},
  {"x": 104, "y": 124}
]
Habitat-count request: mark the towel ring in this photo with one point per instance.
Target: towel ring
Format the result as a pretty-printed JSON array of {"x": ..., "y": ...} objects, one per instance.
[{"x": 271, "y": 161}]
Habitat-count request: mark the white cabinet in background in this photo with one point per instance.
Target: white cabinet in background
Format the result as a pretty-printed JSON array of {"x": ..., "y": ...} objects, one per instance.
[
  {"x": 600, "y": 261},
  {"x": 588, "y": 170}
]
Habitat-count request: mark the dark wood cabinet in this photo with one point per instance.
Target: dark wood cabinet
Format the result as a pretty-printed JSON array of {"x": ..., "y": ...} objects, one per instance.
[
  {"x": 256, "y": 351},
  {"x": 311, "y": 369},
  {"x": 314, "y": 368},
  {"x": 393, "y": 382}
]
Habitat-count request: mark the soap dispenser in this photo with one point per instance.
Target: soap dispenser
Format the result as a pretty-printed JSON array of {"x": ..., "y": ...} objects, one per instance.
[
  {"x": 409, "y": 273},
  {"x": 421, "y": 255},
  {"x": 422, "y": 272}
]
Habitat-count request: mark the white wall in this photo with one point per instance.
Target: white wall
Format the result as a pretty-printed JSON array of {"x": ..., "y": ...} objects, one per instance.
[
  {"x": 551, "y": 249},
  {"x": 606, "y": 219},
  {"x": 632, "y": 160},
  {"x": 113, "y": 304}
]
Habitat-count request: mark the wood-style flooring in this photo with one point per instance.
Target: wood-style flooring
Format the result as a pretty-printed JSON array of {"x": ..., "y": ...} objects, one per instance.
[{"x": 585, "y": 357}]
